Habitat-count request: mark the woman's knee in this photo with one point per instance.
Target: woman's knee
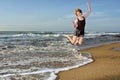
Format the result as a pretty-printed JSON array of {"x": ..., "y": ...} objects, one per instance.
[
  {"x": 73, "y": 42},
  {"x": 80, "y": 43}
]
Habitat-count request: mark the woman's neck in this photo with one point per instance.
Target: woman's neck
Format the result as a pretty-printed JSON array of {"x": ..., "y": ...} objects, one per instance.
[{"x": 80, "y": 16}]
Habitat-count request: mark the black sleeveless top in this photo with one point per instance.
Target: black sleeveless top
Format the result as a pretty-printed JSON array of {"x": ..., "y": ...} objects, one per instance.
[{"x": 81, "y": 26}]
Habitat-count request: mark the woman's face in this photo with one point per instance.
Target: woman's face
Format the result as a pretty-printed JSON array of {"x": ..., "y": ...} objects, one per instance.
[{"x": 78, "y": 13}]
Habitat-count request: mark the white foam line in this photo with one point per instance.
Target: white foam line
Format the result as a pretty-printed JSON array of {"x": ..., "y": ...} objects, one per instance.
[
  {"x": 7, "y": 75},
  {"x": 53, "y": 76},
  {"x": 38, "y": 72},
  {"x": 76, "y": 66},
  {"x": 52, "y": 71}
]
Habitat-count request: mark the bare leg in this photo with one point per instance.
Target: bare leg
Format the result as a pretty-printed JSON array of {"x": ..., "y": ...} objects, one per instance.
[
  {"x": 72, "y": 40},
  {"x": 80, "y": 41},
  {"x": 76, "y": 42}
]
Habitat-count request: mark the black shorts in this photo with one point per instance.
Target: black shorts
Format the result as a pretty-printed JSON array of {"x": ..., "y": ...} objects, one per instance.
[{"x": 78, "y": 33}]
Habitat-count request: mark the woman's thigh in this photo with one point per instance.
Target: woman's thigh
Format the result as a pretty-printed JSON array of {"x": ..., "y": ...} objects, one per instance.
[{"x": 80, "y": 41}]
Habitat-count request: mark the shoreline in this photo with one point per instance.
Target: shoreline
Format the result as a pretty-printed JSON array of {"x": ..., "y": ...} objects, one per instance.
[{"x": 104, "y": 67}]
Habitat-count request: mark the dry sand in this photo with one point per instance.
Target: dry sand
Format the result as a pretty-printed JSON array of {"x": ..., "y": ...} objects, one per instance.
[{"x": 106, "y": 65}]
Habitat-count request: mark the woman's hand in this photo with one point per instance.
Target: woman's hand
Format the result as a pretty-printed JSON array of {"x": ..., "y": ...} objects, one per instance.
[{"x": 73, "y": 24}]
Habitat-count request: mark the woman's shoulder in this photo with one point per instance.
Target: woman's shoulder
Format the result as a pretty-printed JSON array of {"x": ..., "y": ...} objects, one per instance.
[
  {"x": 79, "y": 19},
  {"x": 84, "y": 16}
]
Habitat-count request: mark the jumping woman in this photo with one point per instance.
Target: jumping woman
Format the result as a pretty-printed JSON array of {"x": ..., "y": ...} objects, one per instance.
[{"x": 79, "y": 25}]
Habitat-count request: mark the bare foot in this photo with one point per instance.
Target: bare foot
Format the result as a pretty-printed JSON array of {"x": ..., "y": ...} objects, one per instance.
[{"x": 67, "y": 35}]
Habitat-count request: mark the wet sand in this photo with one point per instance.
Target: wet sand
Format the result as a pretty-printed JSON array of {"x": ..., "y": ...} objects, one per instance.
[{"x": 106, "y": 65}]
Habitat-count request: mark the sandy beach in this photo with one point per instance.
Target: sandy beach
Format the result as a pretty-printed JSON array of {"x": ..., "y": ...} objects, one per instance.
[{"x": 106, "y": 65}]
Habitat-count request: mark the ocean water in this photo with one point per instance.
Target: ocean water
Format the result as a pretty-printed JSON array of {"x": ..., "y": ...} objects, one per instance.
[{"x": 34, "y": 55}]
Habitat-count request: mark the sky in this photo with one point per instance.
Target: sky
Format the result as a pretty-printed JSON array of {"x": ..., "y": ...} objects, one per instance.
[{"x": 58, "y": 15}]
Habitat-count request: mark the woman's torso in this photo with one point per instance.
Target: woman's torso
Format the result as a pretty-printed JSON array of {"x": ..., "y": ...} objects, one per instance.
[{"x": 81, "y": 24}]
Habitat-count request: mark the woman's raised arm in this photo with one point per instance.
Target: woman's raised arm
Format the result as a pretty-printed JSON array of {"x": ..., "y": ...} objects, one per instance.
[{"x": 89, "y": 10}]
